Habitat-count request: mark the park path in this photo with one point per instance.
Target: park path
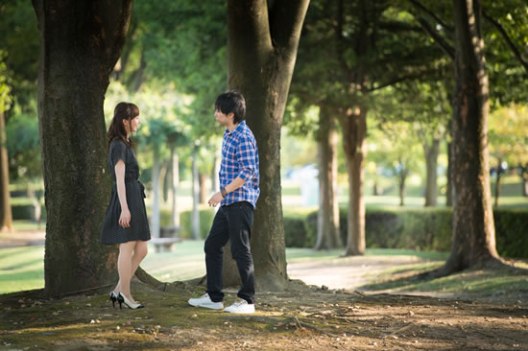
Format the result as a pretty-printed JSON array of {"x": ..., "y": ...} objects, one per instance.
[
  {"x": 22, "y": 238},
  {"x": 347, "y": 273}
]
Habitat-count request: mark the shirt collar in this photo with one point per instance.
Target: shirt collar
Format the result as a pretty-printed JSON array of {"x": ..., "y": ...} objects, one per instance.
[{"x": 238, "y": 128}]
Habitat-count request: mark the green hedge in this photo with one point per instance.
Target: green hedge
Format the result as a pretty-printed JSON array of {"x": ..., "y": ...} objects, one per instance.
[
  {"x": 426, "y": 229},
  {"x": 26, "y": 212},
  {"x": 511, "y": 227},
  {"x": 206, "y": 218}
]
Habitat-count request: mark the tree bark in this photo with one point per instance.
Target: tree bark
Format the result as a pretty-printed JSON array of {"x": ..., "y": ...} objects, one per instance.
[
  {"x": 473, "y": 226},
  {"x": 263, "y": 38},
  {"x": 431, "y": 163},
  {"x": 6, "y": 216},
  {"x": 354, "y": 127},
  {"x": 328, "y": 216},
  {"x": 80, "y": 44}
]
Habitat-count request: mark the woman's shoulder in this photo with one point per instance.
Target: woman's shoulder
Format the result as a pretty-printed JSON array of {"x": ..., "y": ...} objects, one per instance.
[{"x": 117, "y": 143}]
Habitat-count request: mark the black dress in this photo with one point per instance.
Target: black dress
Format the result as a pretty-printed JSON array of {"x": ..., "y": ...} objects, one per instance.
[{"x": 112, "y": 233}]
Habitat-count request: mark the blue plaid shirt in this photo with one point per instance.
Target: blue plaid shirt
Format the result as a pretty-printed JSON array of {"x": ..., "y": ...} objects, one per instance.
[{"x": 240, "y": 159}]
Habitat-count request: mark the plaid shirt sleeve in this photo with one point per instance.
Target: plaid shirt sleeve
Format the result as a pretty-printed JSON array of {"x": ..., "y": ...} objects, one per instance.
[{"x": 247, "y": 158}]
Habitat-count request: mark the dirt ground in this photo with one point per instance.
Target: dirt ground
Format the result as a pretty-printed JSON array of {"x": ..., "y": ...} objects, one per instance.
[
  {"x": 328, "y": 315},
  {"x": 302, "y": 318}
]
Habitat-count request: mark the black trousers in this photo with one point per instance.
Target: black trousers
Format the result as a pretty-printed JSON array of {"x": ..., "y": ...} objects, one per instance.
[{"x": 231, "y": 223}]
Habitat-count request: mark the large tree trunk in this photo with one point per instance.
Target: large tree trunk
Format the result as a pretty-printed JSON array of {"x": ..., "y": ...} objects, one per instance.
[
  {"x": 431, "y": 163},
  {"x": 473, "y": 226},
  {"x": 354, "y": 127},
  {"x": 6, "y": 216},
  {"x": 328, "y": 216},
  {"x": 263, "y": 37},
  {"x": 80, "y": 44}
]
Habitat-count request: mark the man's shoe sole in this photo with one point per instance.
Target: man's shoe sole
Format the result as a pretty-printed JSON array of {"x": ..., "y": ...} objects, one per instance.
[{"x": 211, "y": 307}]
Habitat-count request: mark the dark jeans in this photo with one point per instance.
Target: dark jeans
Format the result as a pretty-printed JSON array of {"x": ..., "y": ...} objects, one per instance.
[{"x": 231, "y": 223}]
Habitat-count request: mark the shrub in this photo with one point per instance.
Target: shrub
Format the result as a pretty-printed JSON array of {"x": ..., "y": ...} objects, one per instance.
[
  {"x": 511, "y": 233},
  {"x": 206, "y": 219},
  {"x": 427, "y": 229}
]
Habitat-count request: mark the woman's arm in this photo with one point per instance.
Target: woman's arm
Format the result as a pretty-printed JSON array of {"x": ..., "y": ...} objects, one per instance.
[{"x": 124, "y": 218}]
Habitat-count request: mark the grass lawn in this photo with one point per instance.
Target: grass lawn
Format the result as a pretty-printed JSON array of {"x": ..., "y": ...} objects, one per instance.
[{"x": 21, "y": 268}]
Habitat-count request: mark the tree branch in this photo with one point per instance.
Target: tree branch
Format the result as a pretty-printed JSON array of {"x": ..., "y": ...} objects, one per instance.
[
  {"x": 286, "y": 19},
  {"x": 424, "y": 9},
  {"x": 400, "y": 79},
  {"x": 441, "y": 41},
  {"x": 507, "y": 39}
]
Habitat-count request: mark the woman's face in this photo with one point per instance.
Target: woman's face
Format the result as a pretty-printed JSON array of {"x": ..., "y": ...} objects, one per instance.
[{"x": 131, "y": 126}]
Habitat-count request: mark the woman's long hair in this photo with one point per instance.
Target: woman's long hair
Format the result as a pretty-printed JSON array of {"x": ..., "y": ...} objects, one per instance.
[{"x": 122, "y": 111}]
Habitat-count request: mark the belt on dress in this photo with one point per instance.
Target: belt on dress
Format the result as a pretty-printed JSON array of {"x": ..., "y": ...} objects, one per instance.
[{"x": 141, "y": 186}]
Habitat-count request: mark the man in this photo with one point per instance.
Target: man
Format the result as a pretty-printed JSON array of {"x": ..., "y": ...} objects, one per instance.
[{"x": 239, "y": 191}]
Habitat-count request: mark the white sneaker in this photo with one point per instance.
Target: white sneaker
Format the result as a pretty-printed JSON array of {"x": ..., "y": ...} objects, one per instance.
[
  {"x": 241, "y": 306},
  {"x": 205, "y": 301}
]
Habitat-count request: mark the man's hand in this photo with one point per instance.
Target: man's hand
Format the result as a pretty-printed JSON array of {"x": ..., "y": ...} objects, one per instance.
[{"x": 215, "y": 199}]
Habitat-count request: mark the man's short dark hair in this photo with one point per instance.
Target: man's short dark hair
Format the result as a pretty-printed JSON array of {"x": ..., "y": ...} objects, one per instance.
[{"x": 232, "y": 101}]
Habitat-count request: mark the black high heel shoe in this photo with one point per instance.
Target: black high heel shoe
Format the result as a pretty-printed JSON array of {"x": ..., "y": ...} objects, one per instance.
[
  {"x": 122, "y": 299},
  {"x": 114, "y": 298}
]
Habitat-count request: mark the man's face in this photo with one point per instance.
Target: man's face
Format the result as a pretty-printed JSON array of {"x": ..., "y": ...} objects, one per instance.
[{"x": 222, "y": 118}]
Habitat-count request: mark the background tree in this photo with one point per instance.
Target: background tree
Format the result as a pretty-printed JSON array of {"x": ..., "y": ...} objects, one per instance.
[
  {"x": 473, "y": 225},
  {"x": 6, "y": 217},
  {"x": 365, "y": 46},
  {"x": 262, "y": 47},
  {"x": 312, "y": 87},
  {"x": 90, "y": 35},
  {"x": 473, "y": 229}
]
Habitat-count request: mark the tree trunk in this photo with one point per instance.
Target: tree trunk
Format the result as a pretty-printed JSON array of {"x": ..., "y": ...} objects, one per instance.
[
  {"x": 156, "y": 198},
  {"x": 524, "y": 179},
  {"x": 450, "y": 189},
  {"x": 80, "y": 44},
  {"x": 354, "y": 127},
  {"x": 473, "y": 226},
  {"x": 402, "y": 177},
  {"x": 6, "y": 216},
  {"x": 215, "y": 181},
  {"x": 195, "y": 220},
  {"x": 328, "y": 215},
  {"x": 497, "y": 183},
  {"x": 431, "y": 163},
  {"x": 175, "y": 182},
  {"x": 262, "y": 48},
  {"x": 202, "y": 181}
]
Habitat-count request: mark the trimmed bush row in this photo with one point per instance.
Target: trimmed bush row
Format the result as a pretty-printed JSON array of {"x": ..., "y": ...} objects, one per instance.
[{"x": 426, "y": 229}]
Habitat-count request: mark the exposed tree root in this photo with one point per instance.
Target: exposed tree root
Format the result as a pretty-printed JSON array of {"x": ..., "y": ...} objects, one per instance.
[
  {"x": 450, "y": 267},
  {"x": 146, "y": 278}
]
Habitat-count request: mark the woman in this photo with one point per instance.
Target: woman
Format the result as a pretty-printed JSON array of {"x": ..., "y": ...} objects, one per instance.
[{"x": 126, "y": 220}]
